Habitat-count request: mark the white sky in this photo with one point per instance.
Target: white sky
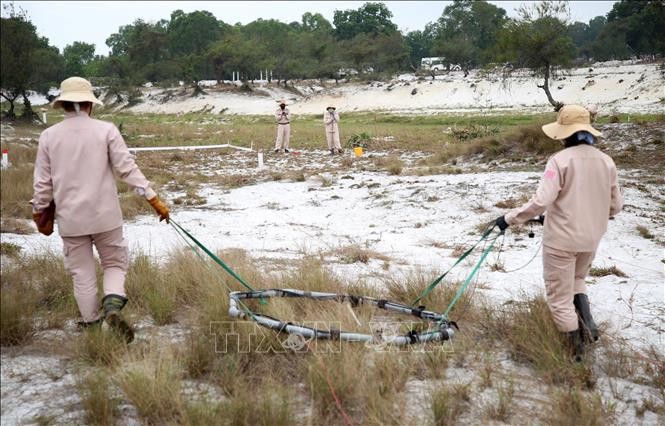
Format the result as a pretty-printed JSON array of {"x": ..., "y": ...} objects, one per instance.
[{"x": 64, "y": 22}]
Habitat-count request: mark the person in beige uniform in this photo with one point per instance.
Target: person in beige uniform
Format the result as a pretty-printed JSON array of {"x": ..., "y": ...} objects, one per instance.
[
  {"x": 331, "y": 121},
  {"x": 579, "y": 191},
  {"x": 283, "y": 117},
  {"x": 74, "y": 185}
]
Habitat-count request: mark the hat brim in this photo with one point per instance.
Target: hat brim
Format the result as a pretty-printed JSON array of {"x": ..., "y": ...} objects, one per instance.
[
  {"x": 559, "y": 131},
  {"x": 76, "y": 97}
]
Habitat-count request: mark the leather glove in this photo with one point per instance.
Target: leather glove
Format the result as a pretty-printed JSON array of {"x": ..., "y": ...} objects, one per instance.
[
  {"x": 45, "y": 219},
  {"x": 160, "y": 208},
  {"x": 501, "y": 223}
]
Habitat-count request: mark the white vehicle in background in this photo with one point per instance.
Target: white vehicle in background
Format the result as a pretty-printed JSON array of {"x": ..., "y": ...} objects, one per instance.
[{"x": 433, "y": 64}]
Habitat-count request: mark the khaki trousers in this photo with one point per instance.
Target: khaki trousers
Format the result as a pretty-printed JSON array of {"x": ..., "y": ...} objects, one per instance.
[
  {"x": 564, "y": 273},
  {"x": 80, "y": 263},
  {"x": 283, "y": 135},
  {"x": 333, "y": 140}
]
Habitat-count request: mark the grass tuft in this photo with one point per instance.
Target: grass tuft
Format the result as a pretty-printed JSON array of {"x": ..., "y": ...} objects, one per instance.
[
  {"x": 449, "y": 403},
  {"x": 500, "y": 410},
  {"x": 358, "y": 254},
  {"x": 533, "y": 338},
  {"x": 153, "y": 386},
  {"x": 10, "y": 249},
  {"x": 99, "y": 405},
  {"x": 644, "y": 232},
  {"x": 608, "y": 270},
  {"x": 99, "y": 347},
  {"x": 573, "y": 406}
]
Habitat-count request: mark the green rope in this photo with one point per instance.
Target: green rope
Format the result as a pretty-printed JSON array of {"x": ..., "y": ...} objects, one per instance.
[
  {"x": 471, "y": 275},
  {"x": 438, "y": 280},
  {"x": 217, "y": 260},
  {"x": 245, "y": 308}
]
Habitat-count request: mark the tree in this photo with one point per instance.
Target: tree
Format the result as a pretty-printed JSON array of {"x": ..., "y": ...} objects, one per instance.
[
  {"x": 633, "y": 28},
  {"x": 420, "y": 44},
  {"x": 315, "y": 22},
  {"x": 474, "y": 24},
  {"x": 27, "y": 61},
  {"x": 235, "y": 53},
  {"x": 76, "y": 56},
  {"x": 538, "y": 40},
  {"x": 370, "y": 18},
  {"x": 458, "y": 50},
  {"x": 193, "y": 32}
]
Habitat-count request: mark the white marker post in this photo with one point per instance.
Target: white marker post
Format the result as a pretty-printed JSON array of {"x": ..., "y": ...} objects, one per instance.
[
  {"x": 5, "y": 158},
  {"x": 260, "y": 155}
]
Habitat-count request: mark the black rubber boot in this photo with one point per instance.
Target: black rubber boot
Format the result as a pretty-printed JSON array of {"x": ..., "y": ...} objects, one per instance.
[
  {"x": 576, "y": 344},
  {"x": 588, "y": 328},
  {"x": 113, "y": 304},
  {"x": 96, "y": 324}
]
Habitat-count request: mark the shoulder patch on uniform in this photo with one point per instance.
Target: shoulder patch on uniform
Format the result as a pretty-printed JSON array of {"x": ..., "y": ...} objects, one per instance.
[{"x": 550, "y": 174}]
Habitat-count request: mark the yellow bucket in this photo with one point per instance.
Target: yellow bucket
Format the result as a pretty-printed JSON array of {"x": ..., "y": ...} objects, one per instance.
[{"x": 358, "y": 151}]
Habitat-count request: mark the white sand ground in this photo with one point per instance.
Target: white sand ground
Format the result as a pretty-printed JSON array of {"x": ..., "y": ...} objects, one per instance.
[
  {"x": 401, "y": 216},
  {"x": 615, "y": 87}
]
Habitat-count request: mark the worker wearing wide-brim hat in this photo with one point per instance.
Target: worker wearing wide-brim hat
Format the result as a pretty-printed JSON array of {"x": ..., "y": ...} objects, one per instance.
[
  {"x": 331, "y": 122},
  {"x": 283, "y": 117},
  {"x": 75, "y": 186},
  {"x": 579, "y": 191}
]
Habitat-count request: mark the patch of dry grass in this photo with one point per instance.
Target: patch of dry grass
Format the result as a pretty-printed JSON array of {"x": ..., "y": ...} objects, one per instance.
[
  {"x": 356, "y": 253},
  {"x": 512, "y": 203},
  {"x": 501, "y": 408},
  {"x": 393, "y": 164},
  {"x": 99, "y": 347},
  {"x": 533, "y": 338},
  {"x": 99, "y": 405},
  {"x": 10, "y": 249},
  {"x": 41, "y": 286},
  {"x": 606, "y": 270},
  {"x": 17, "y": 310},
  {"x": 574, "y": 406},
  {"x": 191, "y": 198},
  {"x": 644, "y": 232},
  {"x": 513, "y": 143},
  {"x": 449, "y": 403},
  {"x": 152, "y": 383},
  {"x": 16, "y": 191},
  {"x": 16, "y": 226}
]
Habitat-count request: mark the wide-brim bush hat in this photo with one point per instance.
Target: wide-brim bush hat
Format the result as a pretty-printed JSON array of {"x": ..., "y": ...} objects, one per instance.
[
  {"x": 570, "y": 120},
  {"x": 76, "y": 89},
  {"x": 282, "y": 101}
]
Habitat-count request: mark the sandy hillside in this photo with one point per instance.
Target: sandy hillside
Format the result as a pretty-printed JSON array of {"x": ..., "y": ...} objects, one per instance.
[{"x": 615, "y": 87}]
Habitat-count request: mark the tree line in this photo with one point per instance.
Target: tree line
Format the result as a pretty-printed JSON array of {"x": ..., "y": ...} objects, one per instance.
[{"x": 197, "y": 46}]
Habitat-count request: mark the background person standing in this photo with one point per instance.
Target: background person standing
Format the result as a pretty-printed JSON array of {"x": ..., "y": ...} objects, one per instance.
[
  {"x": 74, "y": 184},
  {"x": 283, "y": 117},
  {"x": 580, "y": 192},
  {"x": 331, "y": 121}
]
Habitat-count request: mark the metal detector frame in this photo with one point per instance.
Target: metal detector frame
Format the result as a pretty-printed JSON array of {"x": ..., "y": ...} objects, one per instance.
[{"x": 444, "y": 328}]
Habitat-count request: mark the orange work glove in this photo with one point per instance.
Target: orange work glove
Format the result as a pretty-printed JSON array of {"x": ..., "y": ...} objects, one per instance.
[
  {"x": 160, "y": 208},
  {"x": 45, "y": 219}
]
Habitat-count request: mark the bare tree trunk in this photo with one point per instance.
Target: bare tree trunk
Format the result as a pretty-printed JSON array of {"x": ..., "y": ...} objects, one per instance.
[
  {"x": 10, "y": 114},
  {"x": 546, "y": 87},
  {"x": 28, "y": 113}
]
